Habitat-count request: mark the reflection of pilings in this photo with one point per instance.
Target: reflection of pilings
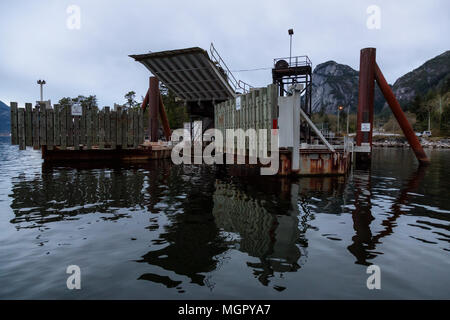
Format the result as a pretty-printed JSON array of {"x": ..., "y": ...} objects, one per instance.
[
  {"x": 193, "y": 244},
  {"x": 362, "y": 217},
  {"x": 411, "y": 185},
  {"x": 154, "y": 179}
]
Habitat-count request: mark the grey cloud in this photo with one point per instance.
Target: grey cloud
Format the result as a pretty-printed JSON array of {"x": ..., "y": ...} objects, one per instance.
[{"x": 35, "y": 43}]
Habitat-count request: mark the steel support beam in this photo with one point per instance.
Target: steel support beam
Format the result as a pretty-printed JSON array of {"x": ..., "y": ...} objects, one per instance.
[
  {"x": 317, "y": 131},
  {"x": 145, "y": 102},
  {"x": 366, "y": 95},
  {"x": 400, "y": 116},
  {"x": 153, "y": 98},
  {"x": 162, "y": 114},
  {"x": 164, "y": 120}
]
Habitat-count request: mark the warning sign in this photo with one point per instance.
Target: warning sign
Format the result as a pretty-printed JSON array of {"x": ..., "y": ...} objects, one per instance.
[
  {"x": 77, "y": 110},
  {"x": 365, "y": 127},
  {"x": 238, "y": 103}
]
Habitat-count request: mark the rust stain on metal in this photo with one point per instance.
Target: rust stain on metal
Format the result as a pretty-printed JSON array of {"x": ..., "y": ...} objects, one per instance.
[{"x": 323, "y": 163}]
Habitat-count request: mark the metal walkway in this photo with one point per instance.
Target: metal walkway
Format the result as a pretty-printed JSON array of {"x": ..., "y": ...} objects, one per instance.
[{"x": 192, "y": 75}]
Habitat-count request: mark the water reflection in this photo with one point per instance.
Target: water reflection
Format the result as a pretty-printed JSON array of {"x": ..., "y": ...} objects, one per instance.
[
  {"x": 196, "y": 218},
  {"x": 364, "y": 242},
  {"x": 268, "y": 226},
  {"x": 192, "y": 240},
  {"x": 63, "y": 193}
]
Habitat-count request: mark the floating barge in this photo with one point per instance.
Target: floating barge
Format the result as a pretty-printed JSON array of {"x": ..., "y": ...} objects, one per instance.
[
  {"x": 211, "y": 94},
  {"x": 141, "y": 153}
]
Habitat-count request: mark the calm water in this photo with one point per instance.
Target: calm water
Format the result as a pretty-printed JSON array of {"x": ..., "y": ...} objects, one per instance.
[{"x": 168, "y": 232}]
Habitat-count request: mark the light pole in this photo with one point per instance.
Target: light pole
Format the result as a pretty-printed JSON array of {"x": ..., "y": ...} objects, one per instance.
[
  {"x": 41, "y": 83},
  {"x": 290, "y": 32},
  {"x": 339, "y": 109}
]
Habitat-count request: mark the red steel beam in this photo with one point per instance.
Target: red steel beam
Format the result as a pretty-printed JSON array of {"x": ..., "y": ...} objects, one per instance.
[
  {"x": 162, "y": 114},
  {"x": 400, "y": 116},
  {"x": 366, "y": 95},
  {"x": 145, "y": 102},
  {"x": 153, "y": 98},
  {"x": 163, "y": 118}
]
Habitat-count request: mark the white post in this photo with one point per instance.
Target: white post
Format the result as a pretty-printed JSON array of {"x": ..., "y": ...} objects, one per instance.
[{"x": 41, "y": 83}]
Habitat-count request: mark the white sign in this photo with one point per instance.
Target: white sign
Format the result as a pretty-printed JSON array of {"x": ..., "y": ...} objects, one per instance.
[
  {"x": 77, "y": 110},
  {"x": 365, "y": 127},
  {"x": 238, "y": 103}
]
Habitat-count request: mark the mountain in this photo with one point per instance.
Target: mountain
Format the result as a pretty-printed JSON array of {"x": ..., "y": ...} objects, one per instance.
[
  {"x": 429, "y": 76},
  {"x": 5, "y": 118},
  {"x": 335, "y": 84}
]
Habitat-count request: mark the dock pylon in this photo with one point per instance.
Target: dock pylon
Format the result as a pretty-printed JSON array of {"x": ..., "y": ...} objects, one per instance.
[{"x": 369, "y": 73}]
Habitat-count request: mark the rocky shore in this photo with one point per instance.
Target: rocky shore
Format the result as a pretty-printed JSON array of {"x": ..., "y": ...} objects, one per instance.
[{"x": 402, "y": 142}]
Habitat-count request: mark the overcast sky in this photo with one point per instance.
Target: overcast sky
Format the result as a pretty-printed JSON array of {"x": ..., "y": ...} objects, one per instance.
[{"x": 35, "y": 42}]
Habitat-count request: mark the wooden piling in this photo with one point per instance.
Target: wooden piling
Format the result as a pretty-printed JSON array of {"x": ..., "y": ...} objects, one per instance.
[
  {"x": 113, "y": 129},
  {"x": 58, "y": 129},
  {"x": 21, "y": 128},
  {"x": 140, "y": 126},
  {"x": 69, "y": 126},
  {"x": 107, "y": 126},
  {"x": 94, "y": 119},
  {"x": 63, "y": 127},
  {"x": 76, "y": 132},
  {"x": 57, "y": 125},
  {"x": 36, "y": 144},
  {"x": 83, "y": 126},
  {"x": 14, "y": 130},
  {"x": 28, "y": 125},
  {"x": 50, "y": 114},
  {"x": 89, "y": 128},
  {"x": 119, "y": 127},
  {"x": 42, "y": 126},
  {"x": 101, "y": 129},
  {"x": 124, "y": 129},
  {"x": 130, "y": 128}
]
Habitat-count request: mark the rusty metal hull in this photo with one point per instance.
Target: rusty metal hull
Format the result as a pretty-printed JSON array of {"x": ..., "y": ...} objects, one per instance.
[
  {"x": 141, "y": 154},
  {"x": 321, "y": 162},
  {"x": 313, "y": 162}
]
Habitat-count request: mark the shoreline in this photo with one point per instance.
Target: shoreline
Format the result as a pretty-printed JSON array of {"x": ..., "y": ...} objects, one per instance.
[{"x": 401, "y": 142}]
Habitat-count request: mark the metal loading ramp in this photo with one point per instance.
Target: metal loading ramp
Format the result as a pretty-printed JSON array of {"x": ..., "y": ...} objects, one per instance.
[{"x": 189, "y": 73}]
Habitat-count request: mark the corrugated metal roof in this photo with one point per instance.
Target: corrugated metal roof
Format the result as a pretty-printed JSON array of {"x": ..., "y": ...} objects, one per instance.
[{"x": 189, "y": 73}]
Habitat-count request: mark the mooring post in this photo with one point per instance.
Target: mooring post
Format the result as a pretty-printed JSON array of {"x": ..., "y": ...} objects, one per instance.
[
  {"x": 153, "y": 124},
  {"x": 365, "y": 106}
]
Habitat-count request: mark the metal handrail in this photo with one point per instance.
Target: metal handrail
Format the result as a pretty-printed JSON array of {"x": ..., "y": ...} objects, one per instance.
[
  {"x": 230, "y": 77},
  {"x": 244, "y": 86},
  {"x": 298, "y": 61}
]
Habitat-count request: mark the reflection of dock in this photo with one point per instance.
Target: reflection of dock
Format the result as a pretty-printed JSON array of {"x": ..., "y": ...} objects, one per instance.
[{"x": 273, "y": 238}]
